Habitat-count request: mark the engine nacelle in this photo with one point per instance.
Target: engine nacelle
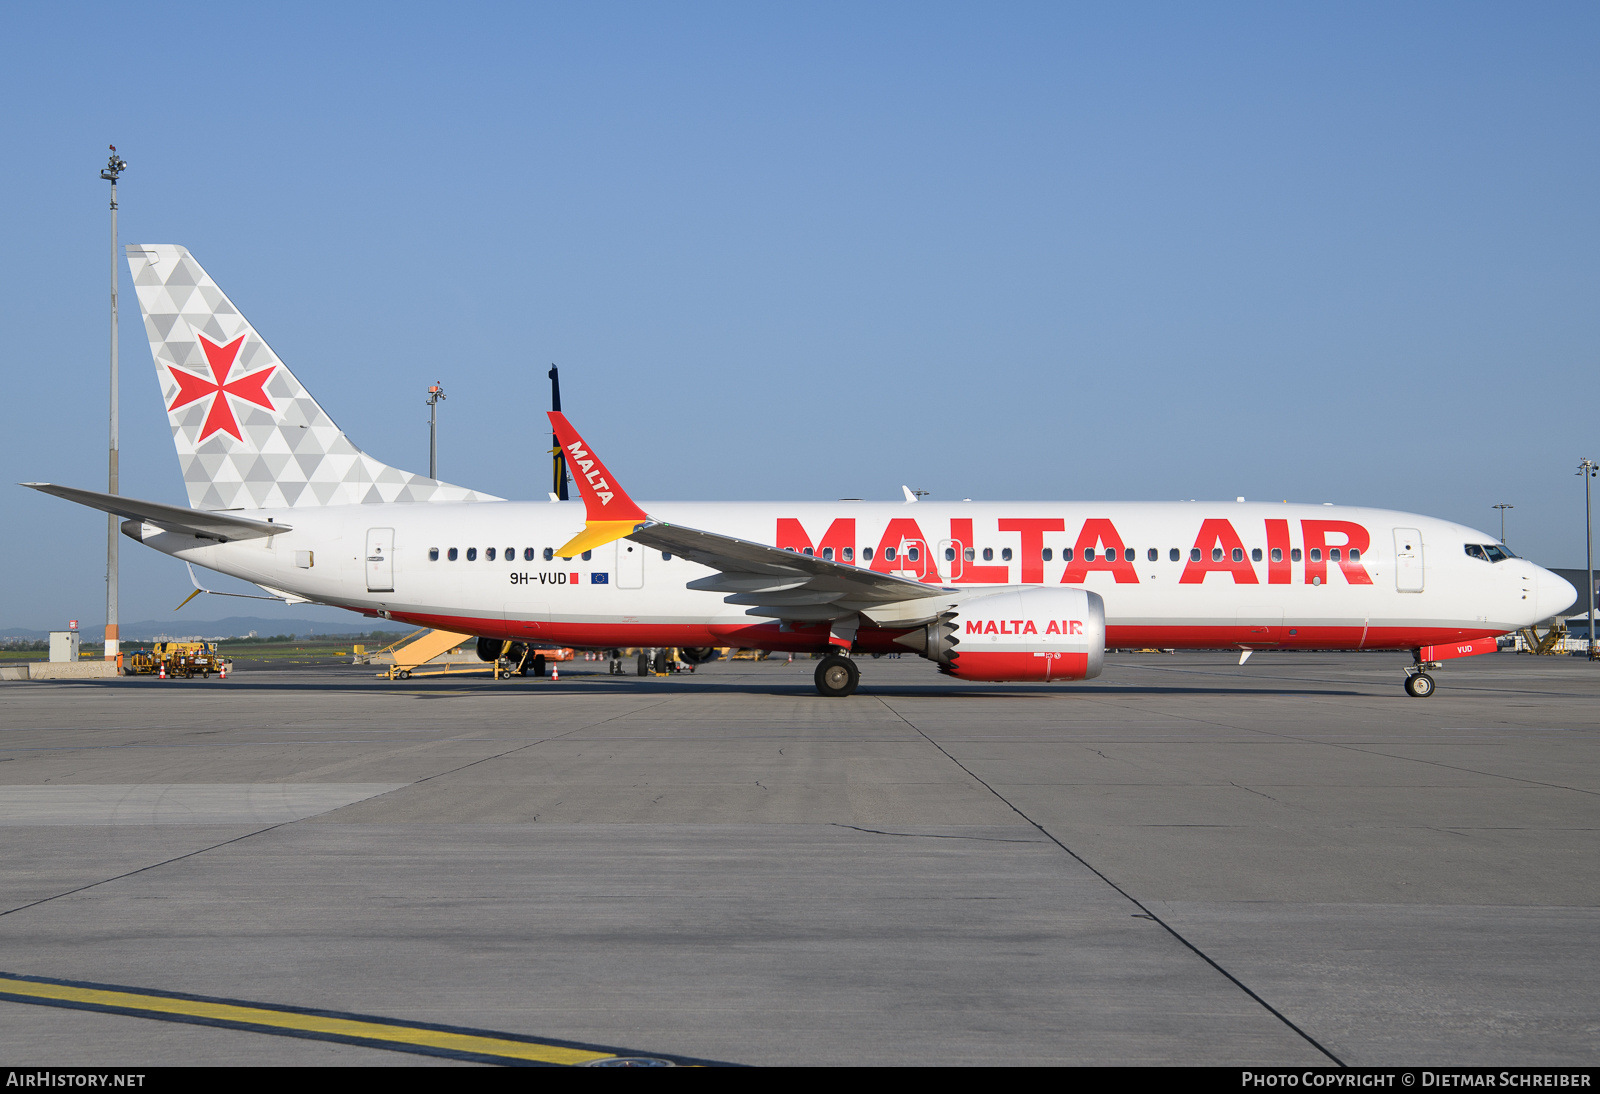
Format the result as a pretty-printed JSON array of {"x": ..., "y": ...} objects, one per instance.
[{"x": 1029, "y": 634}]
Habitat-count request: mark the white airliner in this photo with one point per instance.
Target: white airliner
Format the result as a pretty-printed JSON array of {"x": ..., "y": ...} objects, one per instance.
[{"x": 992, "y": 591}]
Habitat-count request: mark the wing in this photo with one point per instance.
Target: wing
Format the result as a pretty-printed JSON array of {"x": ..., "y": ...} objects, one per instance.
[
  {"x": 196, "y": 522},
  {"x": 784, "y": 584},
  {"x": 774, "y": 583}
]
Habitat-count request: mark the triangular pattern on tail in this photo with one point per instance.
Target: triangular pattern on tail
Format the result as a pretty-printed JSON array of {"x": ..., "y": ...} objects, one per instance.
[{"x": 249, "y": 435}]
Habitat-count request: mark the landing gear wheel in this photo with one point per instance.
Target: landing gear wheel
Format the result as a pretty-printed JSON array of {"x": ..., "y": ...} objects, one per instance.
[
  {"x": 837, "y": 676},
  {"x": 1419, "y": 685},
  {"x": 644, "y": 663}
]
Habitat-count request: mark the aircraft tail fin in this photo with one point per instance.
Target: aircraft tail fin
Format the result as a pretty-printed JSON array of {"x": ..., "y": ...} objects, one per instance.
[{"x": 248, "y": 433}]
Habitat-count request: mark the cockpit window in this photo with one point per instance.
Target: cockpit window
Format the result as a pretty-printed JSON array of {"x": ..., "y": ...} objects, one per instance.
[
  {"x": 1488, "y": 552},
  {"x": 1475, "y": 551}
]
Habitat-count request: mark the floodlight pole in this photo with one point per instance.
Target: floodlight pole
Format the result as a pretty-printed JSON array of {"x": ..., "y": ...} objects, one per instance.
[
  {"x": 1502, "y": 507},
  {"x": 435, "y": 393},
  {"x": 1588, "y": 469},
  {"x": 114, "y": 167}
]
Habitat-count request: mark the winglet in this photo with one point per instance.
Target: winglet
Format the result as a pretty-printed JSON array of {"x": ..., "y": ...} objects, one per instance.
[{"x": 609, "y": 513}]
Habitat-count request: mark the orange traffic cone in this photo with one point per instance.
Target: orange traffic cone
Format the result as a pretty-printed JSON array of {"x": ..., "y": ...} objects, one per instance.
[
  {"x": 555, "y": 671},
  {"x": 163, "y": 674},
  {"x": 224, "y": 674}
]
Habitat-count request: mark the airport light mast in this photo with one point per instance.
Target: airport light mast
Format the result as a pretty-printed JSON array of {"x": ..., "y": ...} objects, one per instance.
[
  {"x": 435, "y": 393},
  {"x": 1589, "y": 469},
  {"x": 114, "y": 167},
  {"x": 1502, "y": 507}
]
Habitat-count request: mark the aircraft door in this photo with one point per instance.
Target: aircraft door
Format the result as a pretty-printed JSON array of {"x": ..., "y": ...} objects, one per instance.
[
  {"x": 630, "y": 565},
  {"x": 380, "y": 560},
  {"x": 1407, "y": 560},
  {"x": 949, "y": 559},
  {"x": 913, "y": 560}
]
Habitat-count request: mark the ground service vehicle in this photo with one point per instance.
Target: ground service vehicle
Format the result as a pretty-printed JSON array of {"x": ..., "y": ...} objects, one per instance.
[{"x": 174, "y": 659}]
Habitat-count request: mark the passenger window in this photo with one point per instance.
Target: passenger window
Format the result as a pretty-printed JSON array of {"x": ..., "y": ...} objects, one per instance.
[
  {"x": 1174, "y": 554},
  {"x": 968, "y": 554},
  {"x": 866, "y": 554},
  {"x": 472, "y": 554},
  {"x": 433, "y": 554},
  {"x": 1088, "y": 554},
  {"x": 1294, "y": 554},
  {"x": 1334, "y": 554},
  {"x": 451, "y": 555},
  {"x": 1047, "y": 554},
  {"x": 1005, "y": 554},
  {"x": 827, "y": 554},
  {"x": 949, "y": 554},
  {"x": 666, "y": 556},
  {"x": 1355, "y": 555},
  {"x": 1255, "y": 554},
  {"x": 1127, "y": 554},
  {"x": 888, "y": 554},
  {"x": 587, "y": 555},
  {"x": 1152, "y": 554},
  {"x": 850, "y": 554},
  {"x": 549, "y": 553},
  {"x": 511, "y": 554},
  {"x": 988, "y": 554},
  {"x": 1238, "y": 554},
  {"x": 913, "y": 554},
  {"x": 1194, "y": 554},
  {"x": 489, "y": 554},
  {"x": 807, "y": 552},
  {"x": 1216, "y": 554},
  {"x": 1066, "y": 554},
  {"x": 1316, "y": 554},
  {"x": 1277, "y": 554},
  {"x": 527, "y": 554}
]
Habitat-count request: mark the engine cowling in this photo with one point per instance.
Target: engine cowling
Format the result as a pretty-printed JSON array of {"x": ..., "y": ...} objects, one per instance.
[{"x": 1027, "y": 634}]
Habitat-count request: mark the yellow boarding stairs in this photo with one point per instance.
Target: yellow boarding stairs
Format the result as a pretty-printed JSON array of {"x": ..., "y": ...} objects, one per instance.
[
  {"x": 1546, "y": 645},
  {"x": 419, "y": 647}
]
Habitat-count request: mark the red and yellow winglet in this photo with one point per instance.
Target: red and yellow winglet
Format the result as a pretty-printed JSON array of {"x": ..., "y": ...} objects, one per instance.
[{"x": 609, "y": 513}]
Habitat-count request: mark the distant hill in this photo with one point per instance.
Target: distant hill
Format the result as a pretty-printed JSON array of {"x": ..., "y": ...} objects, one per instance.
[{"x": 237, "y": 626}]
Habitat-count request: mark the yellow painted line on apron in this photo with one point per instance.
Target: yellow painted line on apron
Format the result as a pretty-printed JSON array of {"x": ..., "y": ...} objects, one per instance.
[{"x": 294, "y": 1021}]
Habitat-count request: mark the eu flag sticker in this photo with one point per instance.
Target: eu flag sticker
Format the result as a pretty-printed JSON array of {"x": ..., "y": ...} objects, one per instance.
[{"x": 599, "y": 579}]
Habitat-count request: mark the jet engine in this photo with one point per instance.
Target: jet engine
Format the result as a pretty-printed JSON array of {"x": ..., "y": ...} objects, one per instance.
[{"x": 1027, "y": 634}]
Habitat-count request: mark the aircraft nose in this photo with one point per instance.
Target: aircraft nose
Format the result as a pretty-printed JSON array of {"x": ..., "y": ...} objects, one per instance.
[{"x": 1556, "y": 594}]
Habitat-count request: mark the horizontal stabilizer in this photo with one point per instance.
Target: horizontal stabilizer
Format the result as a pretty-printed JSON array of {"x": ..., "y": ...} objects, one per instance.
[{"x": 196, "y": 522}]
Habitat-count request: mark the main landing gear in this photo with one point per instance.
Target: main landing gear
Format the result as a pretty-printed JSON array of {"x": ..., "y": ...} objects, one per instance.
[
  {"x": 837, "y": 676},
  {"x": 1419, "y": 685}
]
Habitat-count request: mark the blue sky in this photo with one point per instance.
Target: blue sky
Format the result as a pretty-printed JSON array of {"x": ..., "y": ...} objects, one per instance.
[{"x": 1326, "y": 253}]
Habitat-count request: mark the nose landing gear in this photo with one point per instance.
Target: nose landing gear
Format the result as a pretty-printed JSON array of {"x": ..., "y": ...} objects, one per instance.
[
  {"x": 1419, "y": 685},
  {"x": 837, "y": 676}
]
